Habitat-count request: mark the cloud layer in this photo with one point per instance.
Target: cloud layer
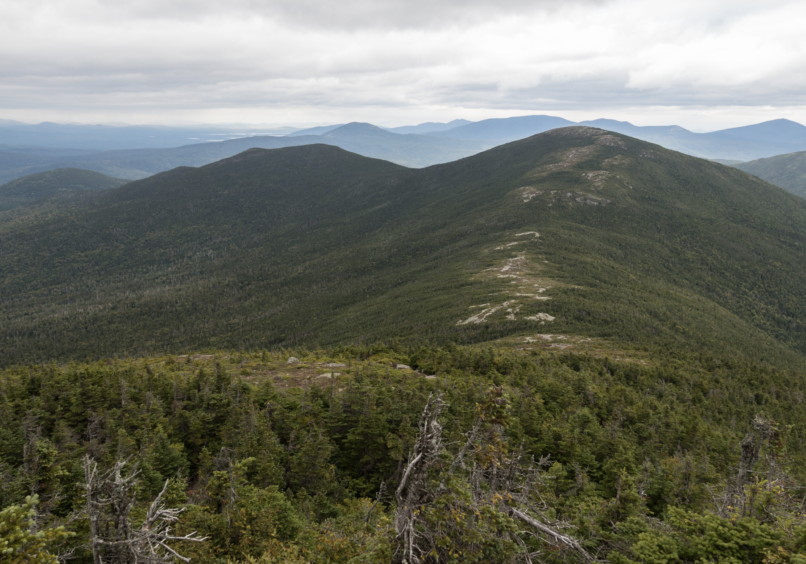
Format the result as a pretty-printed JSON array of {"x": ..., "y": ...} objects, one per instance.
[{"x": 284, "y": 60}]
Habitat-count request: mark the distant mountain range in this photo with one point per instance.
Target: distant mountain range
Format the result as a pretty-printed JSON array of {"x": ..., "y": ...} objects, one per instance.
[
  {"x": 504, "y": 130},
  {"x": 318, "y": 130},
  {"x": 413, "y": 146},
  {"x": 741, "y": 144},
  {"x": 24, "y": 159},
  {"x": 429, "y": 127},
  {"x": 365, "y": 139},
  {"x": 108, "y": 137}
]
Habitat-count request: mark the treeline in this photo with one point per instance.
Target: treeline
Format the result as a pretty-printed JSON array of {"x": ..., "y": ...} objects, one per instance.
[{"x": 497, "y": 454}]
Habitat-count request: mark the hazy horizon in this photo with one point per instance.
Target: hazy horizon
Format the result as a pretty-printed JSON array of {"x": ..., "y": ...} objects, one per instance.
[{"x": 273, "y": 129}]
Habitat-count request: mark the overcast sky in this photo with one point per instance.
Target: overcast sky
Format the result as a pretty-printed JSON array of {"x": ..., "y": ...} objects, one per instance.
[{"x": 700, "y": 64}]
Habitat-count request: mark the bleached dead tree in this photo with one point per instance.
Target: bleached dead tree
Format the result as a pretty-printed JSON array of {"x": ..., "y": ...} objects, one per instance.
[
  {"x": 113, "y": 538},
  {"x": 762, "y": 486},
  {"x": 496, "y": 479},
  {"x": 414, "y": 489}
]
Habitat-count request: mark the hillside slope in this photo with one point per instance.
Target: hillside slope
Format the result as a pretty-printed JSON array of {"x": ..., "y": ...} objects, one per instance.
[
  {"x": 575, "y": 231},
  {"x": 786, "y": 171},
  {"x": 43, "y": 184}
]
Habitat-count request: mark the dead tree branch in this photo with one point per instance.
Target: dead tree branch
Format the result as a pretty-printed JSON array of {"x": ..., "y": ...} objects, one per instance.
[{"x": 113, "y": 539}]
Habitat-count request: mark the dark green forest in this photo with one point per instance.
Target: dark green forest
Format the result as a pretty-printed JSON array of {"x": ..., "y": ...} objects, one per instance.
[
  {"x": 279, "y": 462},
  {"x": 578, "y": 347},
  {"x": 314, "y": 246},
  {"x": 35, "y": 187},
  {"x": 787, "y": 171}
]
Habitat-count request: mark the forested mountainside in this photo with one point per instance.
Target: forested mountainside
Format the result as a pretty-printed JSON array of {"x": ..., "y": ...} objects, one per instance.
[
  {"x": 787, "y": 171},
  {"x": 578, "y": 347},
  {"x": 572, "y": 231},
  {"x": 44, "y": 184}
]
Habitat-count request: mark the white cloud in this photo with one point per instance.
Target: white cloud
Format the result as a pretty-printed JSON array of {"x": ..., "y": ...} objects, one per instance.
[
  {"x": 349, "y": 15},
  {"x": 399, "y": 60}
]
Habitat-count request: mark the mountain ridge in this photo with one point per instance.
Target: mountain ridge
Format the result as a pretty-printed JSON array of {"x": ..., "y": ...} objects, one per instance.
[
  {"x": 430, "y": 126},
  {"x": 598, "y": 345},
  {"x": 505, "y": 129},
  {"x": 576, "y": 231},
  {"x": 777, "y": 130}
]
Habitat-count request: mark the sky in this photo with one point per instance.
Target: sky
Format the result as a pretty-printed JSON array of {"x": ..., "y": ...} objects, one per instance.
[{"x": 704, "y": 65}]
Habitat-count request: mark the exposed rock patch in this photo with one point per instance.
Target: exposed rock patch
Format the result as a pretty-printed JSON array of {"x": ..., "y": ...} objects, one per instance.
[
  {"x": 568, "y": 158},
  {"x": 528, "y": 192},
  {"x": 541, "y": 317},
  {"x": 615, "y": 161},
  {"x": 482, "y": 316},
  {"x": 587, "y": 199},
  {"x": 597, "y": 178},
  {"x": 610, "y": 140},
  {"x": 524, "y": 287}
]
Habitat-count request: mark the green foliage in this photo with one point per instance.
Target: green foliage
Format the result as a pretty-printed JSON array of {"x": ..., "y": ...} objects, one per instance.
[
  {"x": 247, "y": 528},
  {"x": 787, "y": 171},
  {"x": 272, "y": 465},
  {"x": 34, "y": 187},
  {"x": 20, "y": 542},
  {"x": 709, "y": 538},
  {"x": 468, "y": 533}
]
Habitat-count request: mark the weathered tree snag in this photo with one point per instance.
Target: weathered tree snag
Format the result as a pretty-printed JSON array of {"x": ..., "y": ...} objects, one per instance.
[
  {"x": 440, "y": 506},
  {"x": 762, "y": 467},
  {"x": 552, "y": 534},
  {"x": 413, "y": 486},
  {"x": 113, "y": 539}
]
